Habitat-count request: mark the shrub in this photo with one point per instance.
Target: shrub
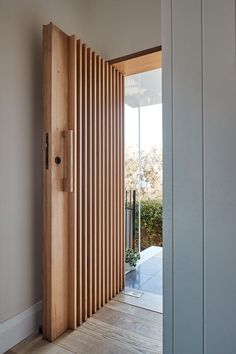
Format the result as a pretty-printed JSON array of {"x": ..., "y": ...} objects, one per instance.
[
  {"x": 151, "y": 223},
  {"x": 131, "y": 257}
]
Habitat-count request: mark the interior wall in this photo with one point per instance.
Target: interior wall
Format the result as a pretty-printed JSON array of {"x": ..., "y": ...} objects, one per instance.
[
  {"x": 20, "y": 142},
  {"x": 121, "y": 27},
  {"x": 113, "y": 28},
  {"x": 199, "y": 90}
]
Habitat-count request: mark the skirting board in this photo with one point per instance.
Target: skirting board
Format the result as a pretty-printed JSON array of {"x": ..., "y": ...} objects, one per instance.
[{"x": 19, "y": 327}]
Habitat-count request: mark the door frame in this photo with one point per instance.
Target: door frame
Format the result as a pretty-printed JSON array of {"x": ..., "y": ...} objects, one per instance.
[{"x": 139, "y": 62}]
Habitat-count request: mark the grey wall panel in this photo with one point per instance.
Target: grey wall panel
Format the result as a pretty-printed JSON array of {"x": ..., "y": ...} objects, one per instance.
[
  {"x": 200, "y": 58},
  {"x": 187, "y": 177},
  {"x": 167, "y": 180},
  {"x": 220, "y": 175}
]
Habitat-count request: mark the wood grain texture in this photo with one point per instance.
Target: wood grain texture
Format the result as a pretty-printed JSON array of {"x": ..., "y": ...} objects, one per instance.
[
  {"x": 134, "y": 310},
  {"x": 117, "y": 184},
  {"x": 89, "y": 181},
  {"x": 83, "y": 194},
  {"x": 99, "y": 190},
  {"x": 36, "y": 345},
  {"x": 94, "y": 158},
  {"x": 79, "y": 183},
  {"x": 111, "y": 184},
  {"x": 122, "y": 154},
  {"x": 102, "y": 211},
  {"x": 84, "y": 185},
  {"x": 73, "y": 199},
  {"x": 140, "y": 63},
  {"x": 138, "y": 54},
  {"x": 141, "y": 326},
  {"x": 47, "y": 244},
  {"x": 121, "y": 184},
  {"x": 104, "y": 335},
  {"x": 107, "y": 183},
  {"x": 103, "y": 185},
  {"x": 126, "y": 339},
  {"x": 114, "y": 207}
]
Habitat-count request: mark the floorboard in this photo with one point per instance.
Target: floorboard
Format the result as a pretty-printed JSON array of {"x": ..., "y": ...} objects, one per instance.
[
  {"x": 117, "y": 328},
  {"x": 135, "y": 310}
]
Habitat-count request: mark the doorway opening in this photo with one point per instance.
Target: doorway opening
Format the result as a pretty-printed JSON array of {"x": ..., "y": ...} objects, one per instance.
[{"x": 143, "y": 180}]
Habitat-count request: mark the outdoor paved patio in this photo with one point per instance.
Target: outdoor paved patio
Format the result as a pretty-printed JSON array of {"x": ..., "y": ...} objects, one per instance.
[{"x": 147, "y": 276}]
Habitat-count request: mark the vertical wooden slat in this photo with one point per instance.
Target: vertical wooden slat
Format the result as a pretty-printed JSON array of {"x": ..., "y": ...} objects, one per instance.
[
  {"x": 79, "y": 183},
  {"x": 89, "y": 182},
  {"x": 111, "y": 216},
  {"x": 118, "y": 234},
  {"x": 47, "y": 187},
  {"x": 103, "y": 180},
  {"x": 72, "y": 124},
  {"x": 84, "y": 181},
  {"x": 122, "y": 144},
  {"x": 99, "y": 192},
  {"x": 94, "y": 176},
  {"x": 114, "y": 180},
  {"x": 120, "y": 180},
  {"x": 59, "y": 206},
  {"x": 107, "y": 181}
]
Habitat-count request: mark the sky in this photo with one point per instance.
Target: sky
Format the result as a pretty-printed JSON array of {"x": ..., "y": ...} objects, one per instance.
[{"x": 150, "y": 123}]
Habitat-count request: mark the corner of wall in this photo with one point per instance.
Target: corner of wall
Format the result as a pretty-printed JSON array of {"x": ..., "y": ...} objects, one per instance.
[{"x": 17, "y": 328}]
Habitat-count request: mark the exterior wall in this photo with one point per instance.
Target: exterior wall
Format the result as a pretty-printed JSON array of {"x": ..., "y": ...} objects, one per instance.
[{"x": 200, "y": 167}]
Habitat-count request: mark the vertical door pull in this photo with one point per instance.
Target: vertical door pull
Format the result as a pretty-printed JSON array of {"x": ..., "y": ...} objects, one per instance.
[
  {"x": 68, "y": 180},
  {"x": 46, "y": 151}
]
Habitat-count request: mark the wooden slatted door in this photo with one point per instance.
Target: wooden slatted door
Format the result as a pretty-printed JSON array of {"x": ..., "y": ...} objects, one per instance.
[
  {"x": 83, "y": 244},
  {"x": 59, "y": 183}
]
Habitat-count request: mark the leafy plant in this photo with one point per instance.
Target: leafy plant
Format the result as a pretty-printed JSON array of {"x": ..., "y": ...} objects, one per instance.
[
  {"x": 131, "y": 257},
  {"x": 149, "y": 170},
  {"x": 151, "y": 223}
]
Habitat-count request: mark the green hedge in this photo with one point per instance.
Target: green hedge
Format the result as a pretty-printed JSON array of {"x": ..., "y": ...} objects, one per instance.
[{"x": 151, "y": 223}]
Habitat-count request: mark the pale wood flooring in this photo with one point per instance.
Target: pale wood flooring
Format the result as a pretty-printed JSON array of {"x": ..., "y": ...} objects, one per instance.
[{"x": 117, "y": 328}]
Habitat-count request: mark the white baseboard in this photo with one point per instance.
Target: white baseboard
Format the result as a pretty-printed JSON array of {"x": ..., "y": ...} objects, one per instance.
[{"x": 19, "y": 327}]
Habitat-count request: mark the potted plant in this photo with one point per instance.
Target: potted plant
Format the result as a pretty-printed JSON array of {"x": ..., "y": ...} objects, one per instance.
[{"x": 131, "y": 259}]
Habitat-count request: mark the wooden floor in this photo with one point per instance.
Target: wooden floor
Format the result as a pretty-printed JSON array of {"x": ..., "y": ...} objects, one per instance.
[{"x": 117, "y": 328}]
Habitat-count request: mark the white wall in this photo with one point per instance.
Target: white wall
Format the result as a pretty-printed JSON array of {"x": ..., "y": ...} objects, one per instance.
[
  {"x": 121, "y": 27},
  {"x": 200, "y": 168},
  {"x": 20, "y": 142}
]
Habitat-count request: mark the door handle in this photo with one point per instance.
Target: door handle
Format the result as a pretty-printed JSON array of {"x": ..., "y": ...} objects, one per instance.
[
  {"x": 68, "y": 179},
  {"x": 46, "y": 151}
]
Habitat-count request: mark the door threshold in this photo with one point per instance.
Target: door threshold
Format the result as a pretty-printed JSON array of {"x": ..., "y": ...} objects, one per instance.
[
  {"x": 133, "y": 293},
  {"x": 148, "y": 301}
]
